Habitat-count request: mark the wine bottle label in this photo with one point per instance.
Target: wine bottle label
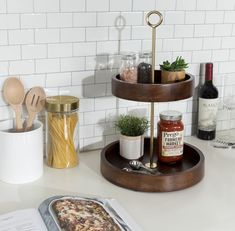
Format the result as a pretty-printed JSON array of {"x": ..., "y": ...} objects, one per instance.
[
  {"x": 207, "y": 112},
  {"x": 172, "y": 143}
]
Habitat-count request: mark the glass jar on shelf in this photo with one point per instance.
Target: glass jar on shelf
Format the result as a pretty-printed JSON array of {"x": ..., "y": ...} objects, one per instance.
[
  {"x": 144, "y": 68},
  {"x": 128, "y": 69}
]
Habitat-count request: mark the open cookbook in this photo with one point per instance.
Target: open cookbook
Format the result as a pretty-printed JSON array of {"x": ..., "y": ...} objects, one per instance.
[{"x": 70, "y": 213}]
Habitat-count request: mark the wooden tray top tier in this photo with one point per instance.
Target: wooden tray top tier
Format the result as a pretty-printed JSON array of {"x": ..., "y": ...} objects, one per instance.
[
  {"x": 168, "y": 177},
  {"x": 156, "y": 92}
]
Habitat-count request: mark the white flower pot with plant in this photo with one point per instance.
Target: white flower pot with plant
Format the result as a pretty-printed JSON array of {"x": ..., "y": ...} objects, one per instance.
[
  {"x": 132, "y": 129},
  {"x": 173, "y": 72}
]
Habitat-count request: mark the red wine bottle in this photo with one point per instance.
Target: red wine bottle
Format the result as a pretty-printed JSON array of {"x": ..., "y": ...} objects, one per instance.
[{"x": 208, "y": 106}]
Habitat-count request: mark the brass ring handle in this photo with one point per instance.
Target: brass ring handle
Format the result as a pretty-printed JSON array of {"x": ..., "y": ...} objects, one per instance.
[{"x": 148, "y": 18}]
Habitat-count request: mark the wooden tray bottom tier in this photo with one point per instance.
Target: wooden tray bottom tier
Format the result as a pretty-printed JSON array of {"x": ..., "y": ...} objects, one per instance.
[{"x": 181, "y": 175}]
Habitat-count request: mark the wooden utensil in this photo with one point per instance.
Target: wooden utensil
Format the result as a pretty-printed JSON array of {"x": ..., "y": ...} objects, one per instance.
[
  {"x": 34, "y": 101},
  {"x": 13, "y": 92}
]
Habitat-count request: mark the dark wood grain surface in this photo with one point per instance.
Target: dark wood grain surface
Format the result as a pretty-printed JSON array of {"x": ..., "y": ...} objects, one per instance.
[
  {"x": 153, "y": 92},
  {"x": 167, "y": 178}
]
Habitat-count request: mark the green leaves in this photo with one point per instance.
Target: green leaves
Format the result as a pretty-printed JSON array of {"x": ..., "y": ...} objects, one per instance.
[
  {"x": 178, "y": 65},
  {"x": 132, "y": 125}
]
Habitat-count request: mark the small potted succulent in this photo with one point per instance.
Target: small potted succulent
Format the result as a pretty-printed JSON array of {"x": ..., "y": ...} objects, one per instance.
[
  {"x": 132, "y": 129},
  {"x": 173, "y": 72}
]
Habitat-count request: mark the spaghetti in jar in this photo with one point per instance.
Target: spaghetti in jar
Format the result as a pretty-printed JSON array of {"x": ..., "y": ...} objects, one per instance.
[
  {"x": 62, "y": 131},
  {"x": 170, "y": 137}
]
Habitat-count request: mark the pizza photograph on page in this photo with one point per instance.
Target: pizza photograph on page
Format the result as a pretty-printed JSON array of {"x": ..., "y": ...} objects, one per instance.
[{"x": 85, "y": 214}]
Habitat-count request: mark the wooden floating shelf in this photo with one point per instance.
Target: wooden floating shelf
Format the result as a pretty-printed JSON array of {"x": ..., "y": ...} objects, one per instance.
[
  {"x": 156, "y": 92},
  {"x": 168, "y": 177}
]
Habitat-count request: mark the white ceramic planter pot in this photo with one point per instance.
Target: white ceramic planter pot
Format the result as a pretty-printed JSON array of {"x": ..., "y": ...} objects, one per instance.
[{"x": 131, "y": 147}]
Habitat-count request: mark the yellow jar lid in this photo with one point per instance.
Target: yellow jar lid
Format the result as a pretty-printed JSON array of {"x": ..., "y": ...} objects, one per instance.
[{"x": 61, "y": 103}]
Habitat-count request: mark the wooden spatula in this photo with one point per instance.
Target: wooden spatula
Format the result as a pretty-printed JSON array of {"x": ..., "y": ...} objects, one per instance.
[{"x": 34, "y": 101}]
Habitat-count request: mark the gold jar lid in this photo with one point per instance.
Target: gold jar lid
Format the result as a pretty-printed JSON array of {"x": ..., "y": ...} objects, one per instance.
[{"x": 62, "y": 103}]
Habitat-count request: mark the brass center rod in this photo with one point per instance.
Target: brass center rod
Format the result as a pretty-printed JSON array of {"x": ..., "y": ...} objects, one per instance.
[{"x": 152, "y": 103}]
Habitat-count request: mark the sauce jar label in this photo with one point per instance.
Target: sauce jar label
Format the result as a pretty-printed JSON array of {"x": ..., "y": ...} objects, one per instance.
[{"x": 172, "y": 143}]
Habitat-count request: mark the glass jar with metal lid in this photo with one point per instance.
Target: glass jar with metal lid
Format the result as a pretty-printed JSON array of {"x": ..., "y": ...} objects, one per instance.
[
  {"x": 170, "y": 137},
  {"x": 62, "y": 131}
]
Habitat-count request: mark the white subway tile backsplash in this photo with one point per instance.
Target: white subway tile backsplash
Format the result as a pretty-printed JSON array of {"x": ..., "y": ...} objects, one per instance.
[
  {"x": 9, "y": 21},
  {"x": 206, "y": 5},
  {"x": 223, "y": 30},
  {"x": 220, "y": 55},
  {"x": 107, "y": 19},
  {"x": 74, "y": 47},
  {"x": 139, "y": 5},
  {"x": 84, "y": 19},
  {"x": 34, "y": 51},
  {"x": 4, "y": 68},
  {"x": 130, "y": 46},
  {"x": 58, "y": 79},
  {"x": 33, "y": 20},
  {"x": 203, "y": 30},
  {"x": 47, "y": 35},
  {"x": 21, "y": 37},
  {"x": 86, "y": 131},
  {"x": 97, "y": 33},
  {"x": 21, "y": 67},
  {"x": 72, "y": 5},
  {"x": 72, "y": 64},
  {"x": 60, "y": 50},
  {"x": 46, "y": 6},
  {"x": 9, "y": 53},
  {"x": 104, "y": 103},
  {"x": 94, "y": 117},
  {"x": 47, "y": 65},
  {"x": 225, "y": 5},
  {"x": 172, "y": 44},
  {"x": 55, "y": 20},
  {"x": 22, "y": 6},
  {"x": 86, "y": 105},
  {"x": 84, "y": 48},
  {"x": 72, "y": 34},
  {"x": 212, "y": 43},
  {"x": 121, "y": 5},
  {"x": 201, "y": 56},
  {"x": 33, "y": 80},
  {"x": 184, "y": 31},
  {"x": 101, "y": 5},
  {"x": 214, "y": 17},
  {"x": 3, "y": 37},
  {"x": 174, "y": 17},
  {"x": 141, "y": 32},
  {"x": 94, "y": 90},
  {"x": 194, "y": 17},
  {"x": 130, "y": 18},
  {"x": 186, "y": 5},
  {"x": 83, "y": 77},
  {"x": 117, "y": 34},
  {"x": 228, "y": 42},
  {"x": 3, "y": 6},
  {"x": 109, "y": 47},
  {"x": 229, "y": 17}
]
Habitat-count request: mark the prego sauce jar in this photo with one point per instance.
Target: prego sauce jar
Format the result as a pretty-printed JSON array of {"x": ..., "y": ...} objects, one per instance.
[
  {"x": 62, "y": 131},
  {"x": 170, "y": 137}
]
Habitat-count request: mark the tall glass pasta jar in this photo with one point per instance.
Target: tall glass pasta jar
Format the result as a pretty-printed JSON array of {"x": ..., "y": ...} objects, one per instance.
[{"x": 62, "y": 131}]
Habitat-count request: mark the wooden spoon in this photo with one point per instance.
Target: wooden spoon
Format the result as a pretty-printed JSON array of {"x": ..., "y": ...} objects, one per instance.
[
  {"x": 13, "y": 92},
  {"x": 34, "y": 101}
]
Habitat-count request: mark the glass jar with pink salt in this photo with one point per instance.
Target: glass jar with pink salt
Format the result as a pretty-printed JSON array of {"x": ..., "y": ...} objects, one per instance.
[{"x": 128, "y": 69}]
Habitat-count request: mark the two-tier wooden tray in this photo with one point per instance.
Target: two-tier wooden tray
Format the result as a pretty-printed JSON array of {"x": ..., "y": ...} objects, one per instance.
[{"x": 167, "y": 178}]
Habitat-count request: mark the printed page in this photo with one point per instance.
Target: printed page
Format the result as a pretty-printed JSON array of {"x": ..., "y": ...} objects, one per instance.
[{"x": 22, "y": 220}]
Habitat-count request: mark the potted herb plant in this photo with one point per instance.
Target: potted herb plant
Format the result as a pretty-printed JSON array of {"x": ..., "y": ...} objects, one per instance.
[
  {"x": 132, "y": 129},
  {"x": 173, "y": 72}
]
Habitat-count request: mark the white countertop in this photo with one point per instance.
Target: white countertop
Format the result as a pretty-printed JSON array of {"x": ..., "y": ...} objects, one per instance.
[{"x": 206, "y": 206}]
